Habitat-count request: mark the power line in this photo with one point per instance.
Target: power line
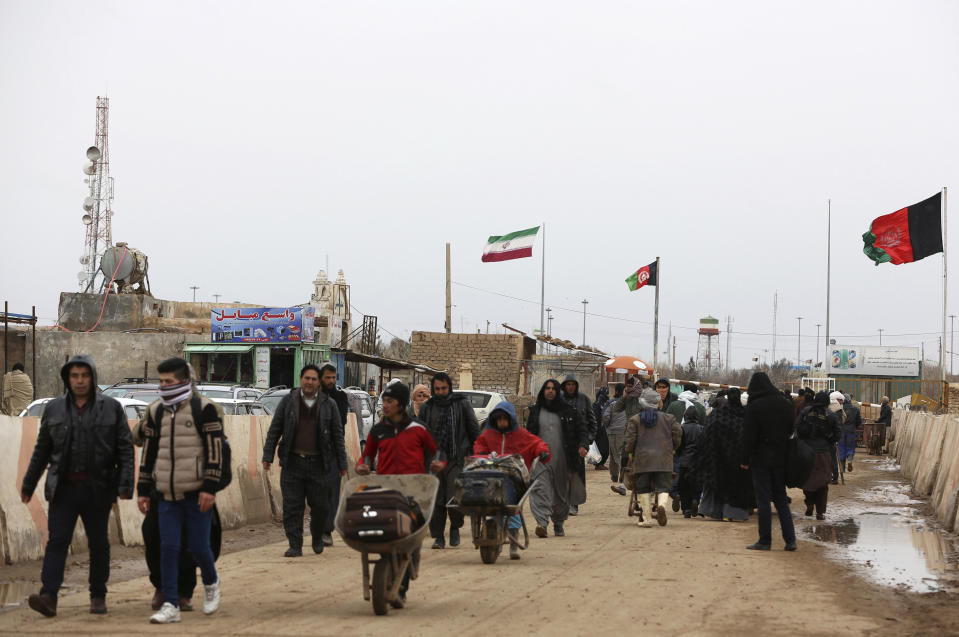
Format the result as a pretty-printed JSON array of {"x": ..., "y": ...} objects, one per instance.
[{"x": 683, "y": 327}]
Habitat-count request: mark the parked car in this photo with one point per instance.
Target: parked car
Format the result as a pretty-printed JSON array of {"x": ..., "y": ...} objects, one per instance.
[
  {"x": 271, "y": 398},
  {"x": 361, "y": 404},
  {"x": 144, "y": 389},
  {"x": 234, "y": 392},
  {"x": 131, "y": 407},
  {"x": 482, "y": 402},
  {"x": 232, "y": 407}
]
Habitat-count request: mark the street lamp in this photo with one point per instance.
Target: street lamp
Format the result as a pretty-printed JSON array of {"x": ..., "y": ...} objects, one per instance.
[
  {"x": 799, "y": 343},
  {"x": 880, "y": 336},
  {"x": 194, "y": 288}
]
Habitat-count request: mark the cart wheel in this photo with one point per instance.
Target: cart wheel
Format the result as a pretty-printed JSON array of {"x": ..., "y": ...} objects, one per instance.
[
  {"x": 382, "y": 581},
  {"x": 490, "y": 553}
]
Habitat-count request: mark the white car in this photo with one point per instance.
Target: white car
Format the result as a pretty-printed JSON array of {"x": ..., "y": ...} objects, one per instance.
[
  {"x": 482, "y": 402},
  {"x": 234, "y": 392},
  {"x": 239, "y": 407},
  {"x": 361, "y": 404},
  {"x": 131, "y": 407}
]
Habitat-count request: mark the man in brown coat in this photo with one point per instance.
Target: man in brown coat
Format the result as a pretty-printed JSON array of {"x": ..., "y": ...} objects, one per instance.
[{"x": 652, "y": 437}]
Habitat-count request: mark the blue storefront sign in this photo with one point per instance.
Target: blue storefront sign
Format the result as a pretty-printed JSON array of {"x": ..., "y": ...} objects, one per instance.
[{"x": 262, "y": 325}]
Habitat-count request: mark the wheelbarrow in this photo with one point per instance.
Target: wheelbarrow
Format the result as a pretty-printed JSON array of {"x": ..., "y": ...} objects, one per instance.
[
  {"x": 489, "y": 523},
  {"x": 392, "y": 557}
]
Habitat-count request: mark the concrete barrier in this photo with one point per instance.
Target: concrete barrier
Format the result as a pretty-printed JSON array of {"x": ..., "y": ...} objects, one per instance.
[
  {"x": 252, "y": 497},
  {"x": 927, "y": 449}
]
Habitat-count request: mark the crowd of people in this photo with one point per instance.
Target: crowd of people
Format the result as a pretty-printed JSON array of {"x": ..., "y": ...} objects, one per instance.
[{"x": 722, "y": 461}]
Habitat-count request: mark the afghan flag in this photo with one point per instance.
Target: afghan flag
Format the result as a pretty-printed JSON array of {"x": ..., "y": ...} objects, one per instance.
[
  {"x": 906, "y": 235},
  {"x": 514, "y": 245},
  {"x": 646, "y": 275}
]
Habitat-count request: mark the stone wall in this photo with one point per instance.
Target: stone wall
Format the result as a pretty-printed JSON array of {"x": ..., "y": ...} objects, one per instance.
[
  {"x": 495, "y": 359},
  {"x": 80, "y": 312}
]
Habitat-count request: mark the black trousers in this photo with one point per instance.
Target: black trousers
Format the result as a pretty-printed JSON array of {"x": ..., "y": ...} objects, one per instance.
[
  {"x": 817, "y": 499},
  {"x": 689, "y": 489},
  {"x": 446, "y": 491},
  {"x": 186, "y": 580},
  {"x": 602, "y": 443},
  {"x": 769, "y": 484},
  {"x": 304, "y": 481},
  {"x": 71, "y": 501}
]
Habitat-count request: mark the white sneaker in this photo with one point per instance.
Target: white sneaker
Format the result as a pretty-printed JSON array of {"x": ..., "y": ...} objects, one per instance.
[
  {"x": 168, "y": 614},
  {"x": 211, "y": 597}
]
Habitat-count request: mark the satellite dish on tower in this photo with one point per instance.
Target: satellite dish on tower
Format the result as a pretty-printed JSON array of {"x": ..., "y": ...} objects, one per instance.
[
  {"x": 86, "y": 219},
  {"x": 93, "y": 153},
  {"x": 88, "y": 168},
  {"x": 88, "y": 203}
]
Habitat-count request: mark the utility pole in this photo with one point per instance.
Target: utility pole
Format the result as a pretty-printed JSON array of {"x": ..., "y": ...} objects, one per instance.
[
  {"x": 449, "y": 296},
  {"x": 194, "y": 288},
  {"x": 549, "y": 327},
  {"x": 952, "y": 340},
  {"x": 674, "y": 356},
  {"x": 584, "y": 320},
  {"x": 487, "y": 326},
  {"x": 880, "y": 336},
  {"x": 729, "y": 336},
  {"x": 818, "y": 325},
  {"x": 216, "y": 298},
  {"x": 775, "y": 313},
  {"x": 799, "y": 343}
]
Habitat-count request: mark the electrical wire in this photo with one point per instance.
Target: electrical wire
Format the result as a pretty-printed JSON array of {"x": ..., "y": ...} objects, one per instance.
[{"x": 682, "y": 327}]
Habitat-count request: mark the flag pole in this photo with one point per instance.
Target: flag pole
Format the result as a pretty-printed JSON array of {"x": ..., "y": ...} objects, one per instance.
[
  {"x": 945, "y": 288},
  {"x": 542, "y": 289},
  {"x": 659, "y": 278},
  {"x": 828, "y": 353}
]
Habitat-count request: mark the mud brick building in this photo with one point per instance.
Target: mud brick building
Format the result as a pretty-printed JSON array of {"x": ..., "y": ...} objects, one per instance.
[{"x": 495, "y": 361}]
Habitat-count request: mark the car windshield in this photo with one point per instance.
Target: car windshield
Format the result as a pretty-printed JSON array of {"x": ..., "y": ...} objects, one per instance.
[
  {"x": 115, "y": 392},
  {"x": 37, "y": 410},
  {"x": 145, "y": 396},
  {"x": 260, "y": 410},
  {"x": 477, "y": 401},
  {"x": 217, "y": 393}
]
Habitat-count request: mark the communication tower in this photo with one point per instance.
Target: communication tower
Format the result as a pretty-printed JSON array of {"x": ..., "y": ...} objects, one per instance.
[
  {"x": 707, "y": 350},
  {"x": 97, "y": 206}
]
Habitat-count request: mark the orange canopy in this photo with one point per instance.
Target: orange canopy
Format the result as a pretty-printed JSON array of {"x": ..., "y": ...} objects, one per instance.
[{"x": 629, "y": 365}]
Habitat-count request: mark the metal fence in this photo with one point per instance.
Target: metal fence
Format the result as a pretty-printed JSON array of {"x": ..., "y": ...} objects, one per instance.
[{"x": 871, "y": 390}]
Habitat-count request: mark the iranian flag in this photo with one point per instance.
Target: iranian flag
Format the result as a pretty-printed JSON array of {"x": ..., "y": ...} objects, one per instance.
[
  {"x": 646, "y": 275},
  {"x": 906, "y": 235},
  {"x": 514, "y": 245}
]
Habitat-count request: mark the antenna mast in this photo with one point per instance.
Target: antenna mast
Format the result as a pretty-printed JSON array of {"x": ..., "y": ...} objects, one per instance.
[{"x": 97, "y": 206}]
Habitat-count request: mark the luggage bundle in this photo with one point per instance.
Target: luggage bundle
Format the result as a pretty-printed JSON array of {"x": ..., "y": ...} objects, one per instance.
[
  {"x": 492, "y": 480},
  {"x": 485, "y": 488},
  {"x": 377, "y": 514}
]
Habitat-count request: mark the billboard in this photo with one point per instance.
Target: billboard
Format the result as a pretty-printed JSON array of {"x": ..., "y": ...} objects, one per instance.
[
  {"x": 871, "y": 360},
  {"x": 262, "y": 324}
]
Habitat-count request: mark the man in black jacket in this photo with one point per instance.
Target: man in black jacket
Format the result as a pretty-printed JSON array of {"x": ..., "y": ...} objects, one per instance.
[
  {"x": 767, "y": 427},
  {"x": 451, "y": 421},
  {"x": 328, "y": 386},
  {"x": 581, "y": 403},
  {"x": 84, "y": 445},
  {"x": 309, "y": 432}
]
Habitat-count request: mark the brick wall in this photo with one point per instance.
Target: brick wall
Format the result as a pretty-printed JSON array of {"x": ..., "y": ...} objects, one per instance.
[{"x": 495, "y": 359}]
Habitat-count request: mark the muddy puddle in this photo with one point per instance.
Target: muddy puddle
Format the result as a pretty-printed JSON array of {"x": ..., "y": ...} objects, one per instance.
[
  {"x": 13, "y": 594},
  {"x": 879, "y": 531}
]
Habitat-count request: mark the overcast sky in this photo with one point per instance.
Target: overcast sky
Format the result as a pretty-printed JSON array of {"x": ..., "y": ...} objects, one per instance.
[{"x": 249, "y": 141}]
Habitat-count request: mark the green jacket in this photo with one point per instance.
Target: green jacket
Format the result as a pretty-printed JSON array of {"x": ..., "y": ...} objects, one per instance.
[{"x": 677, "y": 408}]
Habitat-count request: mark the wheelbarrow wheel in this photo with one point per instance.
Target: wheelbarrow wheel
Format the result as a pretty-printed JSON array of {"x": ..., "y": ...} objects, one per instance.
[
  {"x": 490, "y": 552},
  {"x": 382, "y": 582}
]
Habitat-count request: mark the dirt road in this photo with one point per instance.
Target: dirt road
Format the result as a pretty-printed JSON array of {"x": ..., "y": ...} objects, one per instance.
[{"x": 692, "y": 577}]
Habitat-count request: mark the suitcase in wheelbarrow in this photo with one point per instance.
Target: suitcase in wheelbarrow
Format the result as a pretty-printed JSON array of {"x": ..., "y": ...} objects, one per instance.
[
  {"x": 486, "y": 488},
  {"x": 380, "y": 515}
]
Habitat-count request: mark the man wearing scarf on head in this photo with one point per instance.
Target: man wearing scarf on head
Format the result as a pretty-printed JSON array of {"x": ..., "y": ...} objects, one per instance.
[
  {"x": 182, "y": 462},
  {"x": 450, "y": 419},
  {"x": 629, "y": 403},
  {"x": 727, "y": 487},
  {"x": 563, "y": 485},
  {"x": 652, "y": 437}
]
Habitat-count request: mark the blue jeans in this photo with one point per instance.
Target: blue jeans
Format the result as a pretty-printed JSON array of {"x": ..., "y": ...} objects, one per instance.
[
  {"x": 71, "y": 501},
  {"x": 770, "y": 485},
  {"x": 175, "y": 517}
]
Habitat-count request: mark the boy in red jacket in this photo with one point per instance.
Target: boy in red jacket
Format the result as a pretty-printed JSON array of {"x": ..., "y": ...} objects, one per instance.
[
  {"x": 504, "y": 436},
  {"x": 398, "y": 445}
]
